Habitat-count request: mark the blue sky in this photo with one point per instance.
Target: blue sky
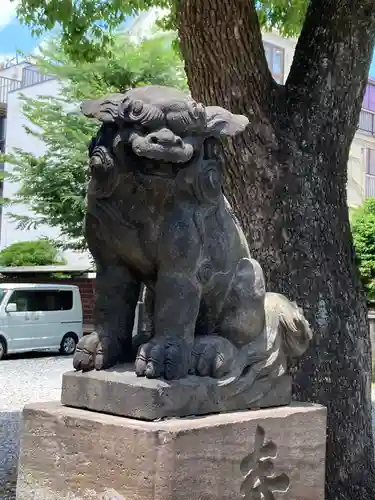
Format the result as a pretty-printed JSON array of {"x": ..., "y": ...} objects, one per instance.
[{"x": 14, "y": 36}]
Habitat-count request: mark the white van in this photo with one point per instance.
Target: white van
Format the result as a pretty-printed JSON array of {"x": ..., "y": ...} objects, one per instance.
[{"x": 35, "y": 317}]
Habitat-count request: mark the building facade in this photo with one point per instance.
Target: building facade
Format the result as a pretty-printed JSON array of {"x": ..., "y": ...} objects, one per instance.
[
  {"x": 361, "y": 164},
  {"x": 363, "y": 147},
  {"x": 26, "y": 79}
]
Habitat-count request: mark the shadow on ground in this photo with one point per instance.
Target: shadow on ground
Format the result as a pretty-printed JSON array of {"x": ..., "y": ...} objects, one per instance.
[{"x": 31, "y": 355}]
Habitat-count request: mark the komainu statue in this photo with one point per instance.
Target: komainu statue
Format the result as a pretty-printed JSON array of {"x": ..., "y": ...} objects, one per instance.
[{"x": 157, "y": 215}]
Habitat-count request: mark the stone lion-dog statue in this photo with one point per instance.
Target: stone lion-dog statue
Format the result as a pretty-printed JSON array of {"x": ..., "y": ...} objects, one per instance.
[{"x": 157, "y": 215}]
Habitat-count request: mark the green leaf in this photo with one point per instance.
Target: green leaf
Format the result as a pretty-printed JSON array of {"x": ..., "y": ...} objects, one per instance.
[
  {"x": 41, "y": 252},
  {"x": 363, "y": 230},
  {"x": 87, "y": 27},
  {"x": 54, "y": 185}
]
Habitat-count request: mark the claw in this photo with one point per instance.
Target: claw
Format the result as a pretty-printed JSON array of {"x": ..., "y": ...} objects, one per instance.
[
  {"x": 167, "y": 358},
  {"x": 92, "y": 354},
  {"x": 83, "y": 358},
  {"x": 213, "y": 356}
]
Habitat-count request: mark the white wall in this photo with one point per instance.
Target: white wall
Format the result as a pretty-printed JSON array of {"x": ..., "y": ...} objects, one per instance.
[
  {"x": 143, "y": 25},
  {"x": 356, "y": 172},
  {"x": 16, "y": 137},
  {"x": 357, "y": 167},
  {"x": 288, "y": 44}
]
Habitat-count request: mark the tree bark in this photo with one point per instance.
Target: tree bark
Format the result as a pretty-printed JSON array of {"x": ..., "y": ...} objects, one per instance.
[{"x": 286, "y": 179}]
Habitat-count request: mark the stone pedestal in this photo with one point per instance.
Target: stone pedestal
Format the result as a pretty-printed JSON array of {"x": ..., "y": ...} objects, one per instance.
[
  {"x": 119, "y": 391},
  {"x": 74, "y": 454}
]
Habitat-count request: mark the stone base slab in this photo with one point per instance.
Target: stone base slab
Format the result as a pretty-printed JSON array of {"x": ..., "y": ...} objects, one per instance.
[
  {"x": 73, "y": 454},
  {"x": 119, "y": 391}
]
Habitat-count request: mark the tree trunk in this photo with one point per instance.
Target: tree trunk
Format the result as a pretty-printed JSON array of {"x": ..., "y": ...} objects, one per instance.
[{"x": 286, "y": 178}]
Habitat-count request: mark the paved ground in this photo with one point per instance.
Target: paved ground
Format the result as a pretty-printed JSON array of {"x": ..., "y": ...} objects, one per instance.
[{"x": 23, "y": 379}]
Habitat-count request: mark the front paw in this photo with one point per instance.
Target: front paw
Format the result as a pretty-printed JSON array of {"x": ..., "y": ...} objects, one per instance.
[
  {"x": 168, "y": 358},
  {"x": 94, "y": 352},
  {"x": 213, "y": 356}
]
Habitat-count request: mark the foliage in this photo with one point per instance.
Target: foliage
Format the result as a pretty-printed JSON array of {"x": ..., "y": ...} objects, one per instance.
[
  {"x": 363, "y": 230},
  {"x": 31, "y": 253},
  {"x": 128, "y": 64},
  {"x": 54, "y": 184},
  {"x": 87, "y": 26}
]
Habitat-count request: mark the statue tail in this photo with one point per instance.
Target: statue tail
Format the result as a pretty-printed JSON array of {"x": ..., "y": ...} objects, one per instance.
[
  {"x": 287, "y": 334},
  {"x": 288, "y": 319}
]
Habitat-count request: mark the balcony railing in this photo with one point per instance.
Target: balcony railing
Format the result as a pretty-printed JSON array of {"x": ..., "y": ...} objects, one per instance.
[
  {"x": 367, "y": 122},
  {"x": 32, "y": 76},
  {"x": 369, "y": 186},
  {"x": 7, "y": 85}
]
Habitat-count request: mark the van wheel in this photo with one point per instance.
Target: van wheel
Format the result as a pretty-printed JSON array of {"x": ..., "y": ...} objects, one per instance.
[
  {"x": 68, "y": 344},
  {"x": 3, "y": 348}
]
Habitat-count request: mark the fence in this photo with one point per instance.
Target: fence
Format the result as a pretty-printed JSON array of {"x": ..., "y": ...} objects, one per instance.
[
  {"x": 7, "y": 85},
  {"x": 367, "y": 122},
  {"x": 31, "y": 76},
  {"x": 369, "y": 185}
]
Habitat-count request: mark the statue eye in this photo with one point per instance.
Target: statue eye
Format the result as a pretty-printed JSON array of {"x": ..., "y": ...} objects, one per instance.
[
  {"x": 125, "y": 109},
  {"x": 199, "y": 109},
  {"x": 125, "y": 104},
  {"x": 137, "y": 107}
]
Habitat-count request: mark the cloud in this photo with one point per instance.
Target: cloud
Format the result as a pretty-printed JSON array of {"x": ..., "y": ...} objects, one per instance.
[{"x": 7, "y": 12}]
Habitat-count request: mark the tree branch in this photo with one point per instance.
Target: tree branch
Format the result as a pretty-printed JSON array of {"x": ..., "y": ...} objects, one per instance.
[
  {"x": 222, "y": 45},
  {"x": 332, "y": 59}
]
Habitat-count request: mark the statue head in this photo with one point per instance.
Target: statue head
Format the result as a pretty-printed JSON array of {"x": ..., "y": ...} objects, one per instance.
[{"x": 163, "y": 123}]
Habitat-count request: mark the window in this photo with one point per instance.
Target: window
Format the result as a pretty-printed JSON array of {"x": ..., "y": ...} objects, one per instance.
[
  {"x": 370, "y": 163},
  {"x": 2, "y": 127},
  {"x": 369, "y": 98},
  {"x": 275, "y": 59},
  {"x": 42, "y": 300},
  {"x": 370, "y": 173}
]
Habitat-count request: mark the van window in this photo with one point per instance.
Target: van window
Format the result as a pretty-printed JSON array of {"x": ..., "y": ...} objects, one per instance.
[{"x": 42, "y": 300}]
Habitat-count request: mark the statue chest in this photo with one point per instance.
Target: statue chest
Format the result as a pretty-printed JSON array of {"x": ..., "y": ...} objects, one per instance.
[{"x": 132, "y": 219}]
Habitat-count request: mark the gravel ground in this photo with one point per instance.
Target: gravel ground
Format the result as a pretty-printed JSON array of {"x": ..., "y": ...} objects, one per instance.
[{"x": 23, "y": 379}]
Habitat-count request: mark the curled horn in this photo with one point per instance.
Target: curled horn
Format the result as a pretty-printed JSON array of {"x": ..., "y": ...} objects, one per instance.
[
  {"x": 104, "y": 110},
  {"x": 221, "y": 122}
]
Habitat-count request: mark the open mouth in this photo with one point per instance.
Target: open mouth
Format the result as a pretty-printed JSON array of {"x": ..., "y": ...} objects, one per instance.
[{"x": 165, "y": 169}]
